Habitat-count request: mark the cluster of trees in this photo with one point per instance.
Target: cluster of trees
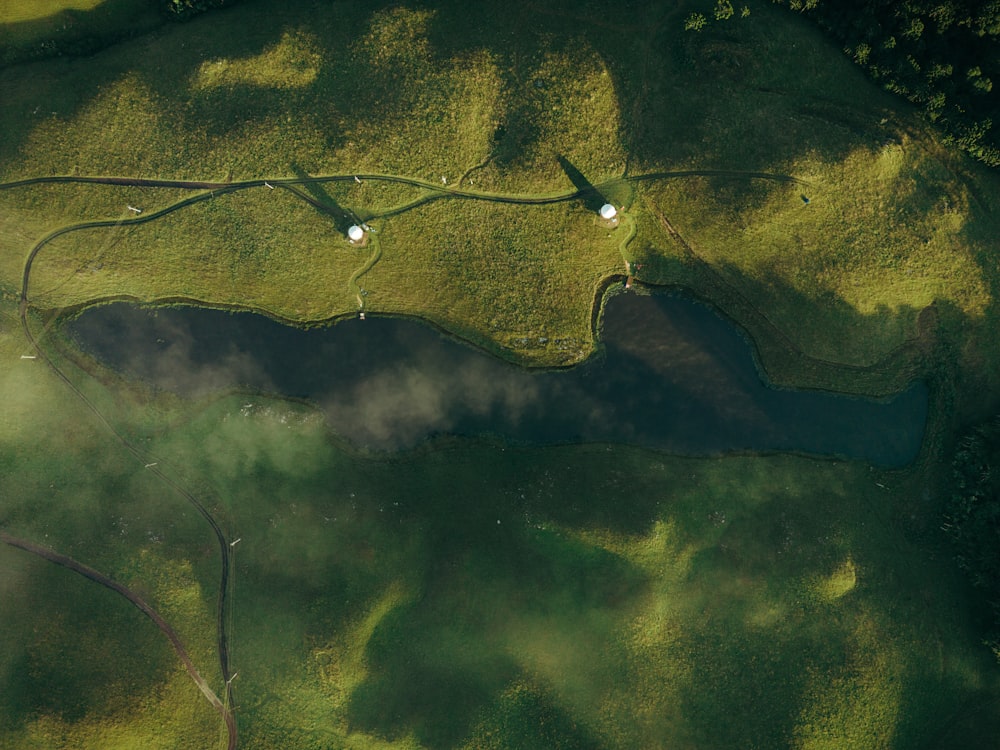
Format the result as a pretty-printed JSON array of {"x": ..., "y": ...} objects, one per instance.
[
  {"x": 973, "y": 517},
  {"x": 942, "y": 55},
  {"x": 183, "y": 9},
  {"x": 724, "y": 10}
]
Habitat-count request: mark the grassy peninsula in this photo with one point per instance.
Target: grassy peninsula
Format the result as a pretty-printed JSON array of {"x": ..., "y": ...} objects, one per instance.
[{"x": 470, "y": 594}]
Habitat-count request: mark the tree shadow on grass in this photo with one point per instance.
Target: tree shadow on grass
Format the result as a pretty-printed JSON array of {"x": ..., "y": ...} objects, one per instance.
[
  {"x": 805, "y": 338},
  {"x": 746, "y": 695},
  {"x": 526, "y": 718},
  {"x": 425, "y": 679},
  {"x": 438, "y": 666},
  {"x": 90, "y": 652},
  {"x": 708, "y": 98},
  {"x": 814, "y": 617},
  {"x": 101, "y": 35},
  {"x": 72, "y": 32}
]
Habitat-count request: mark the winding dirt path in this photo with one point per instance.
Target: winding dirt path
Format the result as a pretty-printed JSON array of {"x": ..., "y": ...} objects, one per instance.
[
  {"x": 223, "y": 543},
  {"x": 142, "y": 606},
  {"x": 521, "y": 199}
]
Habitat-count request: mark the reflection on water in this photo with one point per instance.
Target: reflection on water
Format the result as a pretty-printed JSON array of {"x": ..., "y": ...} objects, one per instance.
[{"x": 674, "y": 375}]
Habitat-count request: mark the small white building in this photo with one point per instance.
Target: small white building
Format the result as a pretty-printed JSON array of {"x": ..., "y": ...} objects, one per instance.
[
  {"x": 355, "y": 233},
  {"x": 608, "y": 212}
]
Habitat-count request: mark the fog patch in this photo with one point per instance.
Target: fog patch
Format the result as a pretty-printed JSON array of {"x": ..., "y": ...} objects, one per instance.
[
  {"x": 180, "y": 367},
  {"x": 673, "y": 375},
  {"x": 399, "y": 406}
]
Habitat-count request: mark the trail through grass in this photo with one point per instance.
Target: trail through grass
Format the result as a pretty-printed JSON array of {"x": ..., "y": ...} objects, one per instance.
[{"x": 893, "y": 223}]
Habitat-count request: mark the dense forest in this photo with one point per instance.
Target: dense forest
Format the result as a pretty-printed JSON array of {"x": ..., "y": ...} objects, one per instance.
[{"x": 942, "y": 55}]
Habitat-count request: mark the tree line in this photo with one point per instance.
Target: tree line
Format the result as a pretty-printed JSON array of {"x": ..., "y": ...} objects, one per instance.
[{"x": 941, "y": 55}]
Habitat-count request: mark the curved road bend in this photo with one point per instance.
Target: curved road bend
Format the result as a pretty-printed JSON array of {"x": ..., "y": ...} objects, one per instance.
[
  {"x": 142, "y": 606},
  {"x": 223, "y": 543}
]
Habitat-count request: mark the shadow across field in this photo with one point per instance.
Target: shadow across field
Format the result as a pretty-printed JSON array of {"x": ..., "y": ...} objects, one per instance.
[
  {"x": 493, "y": 578},
  {"x": 92, "y": 651},
  {"x": 557, "y": 594},
  {"x": 72, "y": 32},
  {"x": 660, "y": 126},
  {"x": 590, "y": 196},
  {"x": 908, "y": 339},
  {"x": 317, "y": 196}
]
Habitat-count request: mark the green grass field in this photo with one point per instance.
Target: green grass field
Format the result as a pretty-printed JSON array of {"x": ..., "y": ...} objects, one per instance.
[
  {"x": 894, "y": 222},
  {"x": 470, "y": 595},
  {"x": 591, "y": 596}
]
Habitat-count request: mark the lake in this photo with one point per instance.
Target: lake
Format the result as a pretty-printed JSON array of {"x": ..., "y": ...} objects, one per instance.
[{"x": 673, "y": 375}]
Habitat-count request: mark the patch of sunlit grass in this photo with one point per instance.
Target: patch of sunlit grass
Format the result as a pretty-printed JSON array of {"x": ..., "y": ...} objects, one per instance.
[
  {"x": 291, "y": 63},
  {"x": 14, "y": 11},
  {"x": 838, "y": 583}
]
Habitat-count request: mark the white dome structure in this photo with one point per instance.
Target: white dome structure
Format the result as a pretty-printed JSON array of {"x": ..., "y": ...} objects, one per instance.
[
  {"x": 355, "y": 233},
  {"x": 608, "y": 212}
]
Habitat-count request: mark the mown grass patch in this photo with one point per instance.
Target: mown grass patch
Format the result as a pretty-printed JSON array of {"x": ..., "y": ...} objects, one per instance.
[{"x": 532, "y": 288}]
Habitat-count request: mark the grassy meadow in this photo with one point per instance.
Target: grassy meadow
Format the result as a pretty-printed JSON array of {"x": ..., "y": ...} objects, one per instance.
[
  {"x": 469, "y": 594},
  {"x": 472, "y": 596},
  {"x": 893, "y": 225}
]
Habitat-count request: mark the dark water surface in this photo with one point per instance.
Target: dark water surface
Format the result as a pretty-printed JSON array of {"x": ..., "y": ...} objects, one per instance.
[{"x": 674, "y": 376}]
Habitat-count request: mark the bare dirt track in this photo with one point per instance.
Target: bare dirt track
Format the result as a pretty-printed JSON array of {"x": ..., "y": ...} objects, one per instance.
[{"x": 140, "y": 604}]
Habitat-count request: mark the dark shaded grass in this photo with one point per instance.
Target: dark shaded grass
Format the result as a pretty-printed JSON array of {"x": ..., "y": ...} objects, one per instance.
[
  {"x": 74, "y": 650},
  {"x": 324, "y": 532},
  {"x": 75, "y": 33}
]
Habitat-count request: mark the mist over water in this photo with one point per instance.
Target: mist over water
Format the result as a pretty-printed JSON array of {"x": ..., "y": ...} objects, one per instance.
[{"x": 673, "y": 375}]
